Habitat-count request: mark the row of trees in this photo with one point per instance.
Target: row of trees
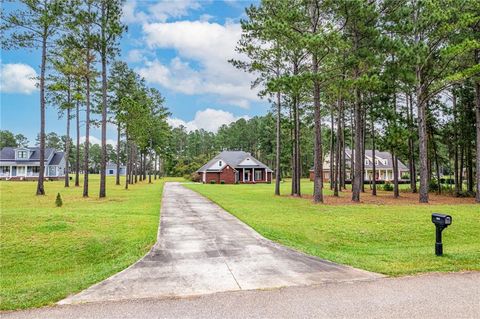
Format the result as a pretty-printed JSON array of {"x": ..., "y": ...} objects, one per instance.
[
  {"x": 396, "y": 68},
  {"x": 78, "y": 41}
]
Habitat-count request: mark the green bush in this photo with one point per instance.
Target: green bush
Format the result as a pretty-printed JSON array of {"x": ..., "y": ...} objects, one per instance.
[
  {"x": 222, "y": 182},
  {"x": 433, "y": 186},
  {"x": 405, "y": 176},
  {"x": 194, "y": 177},
  {"x": 213, "y": 182},
  {"x": 387, "y": 187},
  {"x": 58, "y": 200}
]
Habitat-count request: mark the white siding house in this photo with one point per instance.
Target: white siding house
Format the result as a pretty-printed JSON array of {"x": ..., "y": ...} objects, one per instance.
[
  {"x": 24, "y": 163},
  {"x": 111, "y": 169}
]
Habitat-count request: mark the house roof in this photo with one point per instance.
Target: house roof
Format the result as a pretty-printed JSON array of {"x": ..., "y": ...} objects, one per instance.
[
  {"x": 114, "y": 165},
  {"x": 233, "y": 159},
  {"x": 378, "y": 155},
  {"x": 57, "y": 158},
  {"x": 7, "y": 154}
]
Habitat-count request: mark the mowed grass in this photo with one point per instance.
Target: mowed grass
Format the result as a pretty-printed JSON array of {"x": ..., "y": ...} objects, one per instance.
[
  {"x": 389, "y": 239},
  {"x": 47, "y": 252}
]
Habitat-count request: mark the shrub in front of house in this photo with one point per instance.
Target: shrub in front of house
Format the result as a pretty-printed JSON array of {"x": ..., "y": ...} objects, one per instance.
[
  {"x": 194, "y": 177},
  {"x": 213, "y": 182},
  {"x": 433, "y": 186},
  {"x": 222, "y": 182},
  {"x": 388, "y": 187},
  {"x": 58, "y": 200}
]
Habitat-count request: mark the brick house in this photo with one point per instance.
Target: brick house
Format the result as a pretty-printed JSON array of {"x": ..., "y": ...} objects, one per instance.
[{"x": 232, "y": 167}]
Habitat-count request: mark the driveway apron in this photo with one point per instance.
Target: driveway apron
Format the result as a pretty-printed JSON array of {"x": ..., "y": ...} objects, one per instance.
[{"x": 203, "y": 249}]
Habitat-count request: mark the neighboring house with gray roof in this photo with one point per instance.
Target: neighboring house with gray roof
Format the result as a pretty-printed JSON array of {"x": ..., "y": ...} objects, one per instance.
[
  {"x": 22, "y": 163},
  {"x": 232, "y": 167},
  {"x": 111, "y": 169},
  {"x": 383, "y": 166}
]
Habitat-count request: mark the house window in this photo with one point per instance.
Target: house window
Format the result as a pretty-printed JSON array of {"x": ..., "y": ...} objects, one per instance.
[
  {"x": 220, "y": 163},
  {"x": 110, "y": 171},
  {"x": 258, "y": 175},
  {"x": 35, "y": 169},
  {"x": 376, "y": 162},
  {"x": 366, "y": 162},
  {"x": 22, "y": 154},
  {"x": 4, "y": 169},
  {"x": 384, "y": 162}
]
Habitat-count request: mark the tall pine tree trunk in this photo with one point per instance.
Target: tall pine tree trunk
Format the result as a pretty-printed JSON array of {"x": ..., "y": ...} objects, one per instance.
[
  {"x": 477, "y": 115},
  {"x": 277, "y": 146},
  {"x": 119, "y": 133},
  {"x": 411, "y": 150},
  {"x": 41, "y": 172},
  {"x": 357, "y": 169},
  {"x": 103, "y": 159},
  {"x": 460, "y": 180},
  {"x": 422, "y": 136},
  {"x": 396, "y": 191},
  {"x": 338, "y": 158},
  {"x": 127, "y": 160},
  {"x": 374, "y": 164},
  {"x": 87, "y": 128},
  {"x": 469, "y": 168},
  {"x": 67, "y": 144},
  {"x": 363, "y": 114},
  {"x": 77, "y": 155},
  {"x": 455, "y": 144},
  {"x": 318, "y": 158}
]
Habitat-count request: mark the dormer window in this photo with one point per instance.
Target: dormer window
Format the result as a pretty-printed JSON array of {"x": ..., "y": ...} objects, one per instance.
[
  {"x": 22, "y": 154},
  {"x": 384, "y": 162},
  {"x": 376, "y": 162},
  {"x": 366, "y": 161},
  {"x": 220, "y": 163}
]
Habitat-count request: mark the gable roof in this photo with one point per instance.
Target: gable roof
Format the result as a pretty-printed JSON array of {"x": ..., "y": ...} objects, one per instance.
[
  {"x": 378, "y": 155},
  {"x": 233, "y": 159},
  {"x": 7, "y": 154},
  {"x": 57, "y": 158}
]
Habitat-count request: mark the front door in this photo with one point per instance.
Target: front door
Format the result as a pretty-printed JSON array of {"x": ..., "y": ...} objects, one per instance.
[
  {"x": 246, "y": 176},
  {"x": 14, "y": 171},
  {"x": 20, "y": 171}
]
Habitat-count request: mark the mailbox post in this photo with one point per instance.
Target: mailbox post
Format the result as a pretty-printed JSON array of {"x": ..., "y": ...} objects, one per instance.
[{"x": 441, "y": 222}]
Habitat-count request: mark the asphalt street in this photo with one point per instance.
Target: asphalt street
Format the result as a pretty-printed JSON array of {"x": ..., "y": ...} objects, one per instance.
[{"x": 455, "y": 295}]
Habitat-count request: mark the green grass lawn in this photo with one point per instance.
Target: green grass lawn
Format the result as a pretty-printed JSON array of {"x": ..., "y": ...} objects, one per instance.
[
  {"x": 47, "y": 253},
  {"x": 389, "y": 239}
]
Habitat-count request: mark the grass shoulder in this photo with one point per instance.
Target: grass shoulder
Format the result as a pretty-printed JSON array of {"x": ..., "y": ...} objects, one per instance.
[
  {"x": 389, "y": 238},
  {"x": 49, "y": 252}
]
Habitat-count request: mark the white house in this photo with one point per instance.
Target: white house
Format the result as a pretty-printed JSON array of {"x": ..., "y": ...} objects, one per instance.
[
  {"x": 22, "y": 163},
  {"x": 111, "y": 169},
  {"x": 383, "y": 166}
]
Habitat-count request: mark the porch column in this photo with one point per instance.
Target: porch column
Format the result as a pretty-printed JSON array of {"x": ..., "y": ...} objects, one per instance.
[
  {"x": 10, "y": 173},
  {"x": 26, "y": 168},
  {"x": 243, "y": 174},
  {"x": 253, "y": 174},
  {"x": 266, "y": 174}
]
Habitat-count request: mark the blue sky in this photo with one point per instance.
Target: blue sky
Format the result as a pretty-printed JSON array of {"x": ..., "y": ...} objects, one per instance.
[{"x": 180, "y": 47}]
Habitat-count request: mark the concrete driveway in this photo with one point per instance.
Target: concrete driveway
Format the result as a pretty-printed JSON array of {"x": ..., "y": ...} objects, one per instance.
[{"x": 202, "y": 249}]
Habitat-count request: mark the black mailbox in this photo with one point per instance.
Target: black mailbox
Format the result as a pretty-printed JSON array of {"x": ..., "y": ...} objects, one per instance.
[
  {"x": 441, "y": 219},
  {"x": 441, "y": 222}
]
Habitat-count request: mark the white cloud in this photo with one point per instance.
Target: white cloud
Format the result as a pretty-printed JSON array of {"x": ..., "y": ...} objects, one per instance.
[
  {"x": 208, "y": 119},
  {"x": 206, "y": 17},
  {"x": 160, "y": 11},
  {"x": 209, "y": 46},
  {"x": 96, "y": 140},
  {"x": 17, "y": 78},
  {"x": 134, "y": 56}
]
